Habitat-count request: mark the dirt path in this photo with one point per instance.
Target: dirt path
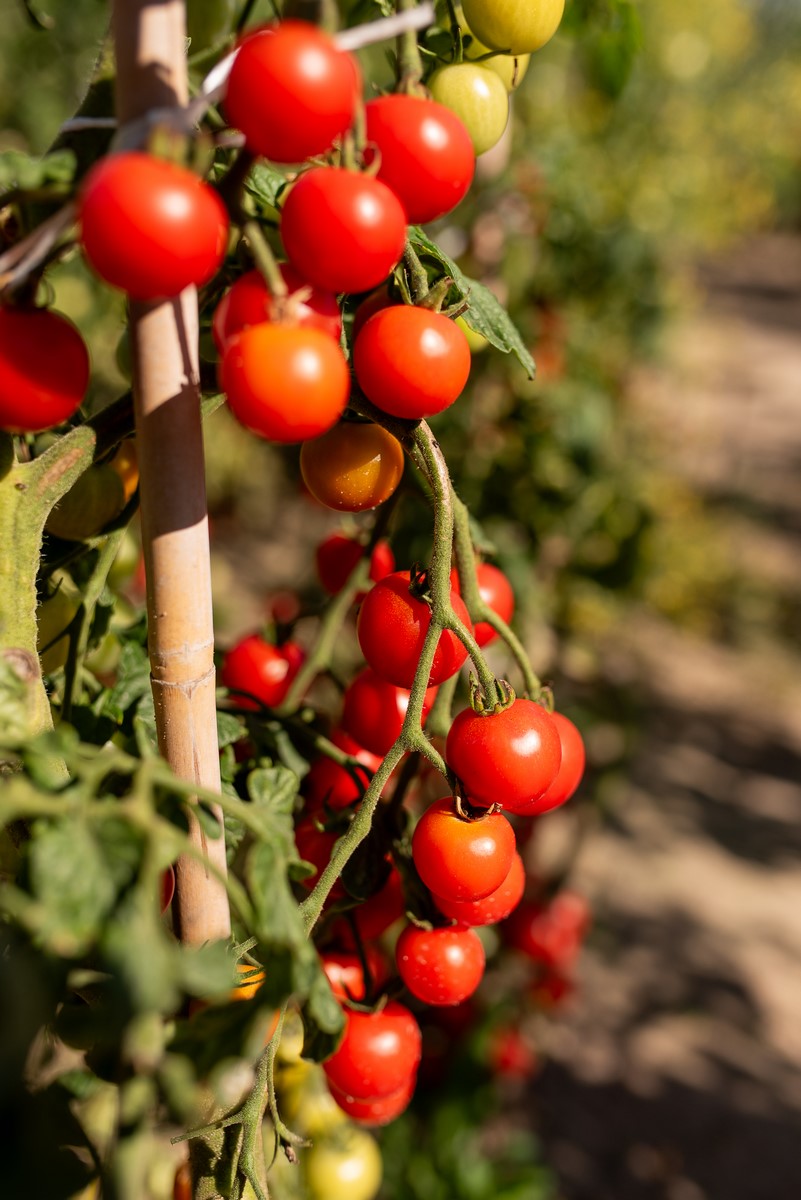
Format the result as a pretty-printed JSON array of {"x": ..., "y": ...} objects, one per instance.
[{"x": 678, "y": 1073}]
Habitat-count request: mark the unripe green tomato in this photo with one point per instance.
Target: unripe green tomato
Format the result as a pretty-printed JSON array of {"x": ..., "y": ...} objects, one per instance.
[
  {"x": 478, "y": 98},
  {"x": 476, "y": 341},
  {"x": 514, "y": 26},
  {"x": 345, "y": 1167},
  {"x": 96, "y": 498},
  {"x": 52, "y": 618},
  {"x": 126, "y": 560}
]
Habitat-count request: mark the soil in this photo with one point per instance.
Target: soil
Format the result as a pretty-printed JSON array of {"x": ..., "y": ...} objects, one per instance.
[{"x": 676, "y": 1074}]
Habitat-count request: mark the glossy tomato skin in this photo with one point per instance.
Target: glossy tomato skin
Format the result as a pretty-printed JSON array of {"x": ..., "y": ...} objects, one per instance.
[
  {"x": 459, "y": 859},
  {"x": 392, "y": 626},
  {"x": 336, "y": 558},
  {"x": 149, "y": 227},
  {"x": 427, "y": 156},
  {"x": 265, "y": 671},
  {"x": 249, "y": 301},
  {"x": 571, "y": 768},
  {"x": 378, "y": 1054},
  {"x": 343, "y": 231},
  {"x": 508, "y": 758},
  {"x": 329, "y": 783},
  {"x": 374, "y": 710},
  {"x": 44, "y": 369},
  {"x": 353, "y": 467},
  {"x": 285, "y": 383},
  {"x": 345, "y": 973},
  {"x": 477, "y": 97},
  {"x": 496, "y": 591},
  {"x": 513, "y": 26},
  {"x": 291, "y": 91},
  {"x": 411, "y": 362},
  {"x": 376, "y": 1112},
  {"x": 440, "y": 966},
  {"x": 492, "y": 908}
]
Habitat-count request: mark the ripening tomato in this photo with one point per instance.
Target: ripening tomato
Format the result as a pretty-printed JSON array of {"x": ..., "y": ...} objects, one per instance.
[
  {"x": 44, "y": 369},
  {"x": 477, "y": 97},
  {"x": 571, "y": 769},
  {"x": 150, "y": 227},
  {"x": 343, "y": 231},
  {"x": 354, "y": 466},
  {"x": 461, "y": 859},
  {"x": 249, "y": 301},
  {"x": 440, "y": 966},
  {"x": 376, "y": 1112},
  {"x": 291, "y": 91},
  {"x": 378, "y": 1055},
  {"x": 508, "y": 758},
  {"x": 392, "y": 627},
  {"x": 411, "y": 362},
  {"x": 125, "y": 463},
  {"x": 425, "y": 154},
  {"x": 492, "y": 908},
  {"x": 496, "y": 591},
  {"x": 345, "y": 972},
  {"x": 374, "y": 711},
  {"x": 329, "y": 783},
  {"x": 260, "y": 669},
  {"x": 336, "y": 558},
  {"x": 285, "y": 383},
  {"x": 514, "y": 26}
]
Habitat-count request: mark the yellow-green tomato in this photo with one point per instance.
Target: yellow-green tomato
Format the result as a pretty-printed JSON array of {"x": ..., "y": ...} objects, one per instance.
[
  {"x": 514, "y": 26},
  {"x": 52, "y": 617},
  {"x": 306, "y": 1103},
  {"x": 94, "y": 500},
  {"x": 478, "y": 98},
  {"x": 345, "y": 1167}
]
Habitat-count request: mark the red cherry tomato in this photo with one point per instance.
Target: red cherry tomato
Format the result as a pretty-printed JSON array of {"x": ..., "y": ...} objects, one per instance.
[
  {"x": 492, "y": 908},
  {"x": 460, "y": 859},
  {"x": 352, "y": 467},
  {"x": 509, "y": 758},
  {"x": 549, "y": 933},
  {"x": 343, "y": 231},
  {"x": 291, "y": 91},
  {"x": 44, "y": 369},
  {"x": 571, "y": 768},
  {"x": 440, "y": 966},
  {"x": 510, "y": 1054},
  {"x": 261, "y": 669},
  {"x": 378, "y": 1055},
  {"x": 250, "y": 302},
  {"x": 314, "y": 845},
  {"x": 427, "y": 157},
  {"x": 374, "y": 710},
  {"x": 376, "y": 1112},
  {"x": 336, "y": 558},
  {"x": 285, "y": 383},
  {"x": 328, "y": 783},
  {"x": 345, "y": 972},
  {"x": 411, "y": 362},
  {"x": 496, "y": 591},
  {"x": 150, "y": 227},
  {"x": 392, "y": 626}
]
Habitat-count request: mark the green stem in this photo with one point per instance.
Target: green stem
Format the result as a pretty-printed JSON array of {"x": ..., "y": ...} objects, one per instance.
[
  {"x": 91, "y": 595},
  {"x": 265, "y": 260},
  {"x": 418, "y": 276},
  {"x": 410, "y": 63}
]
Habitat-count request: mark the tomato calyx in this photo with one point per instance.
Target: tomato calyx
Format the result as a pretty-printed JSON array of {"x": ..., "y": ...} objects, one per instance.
[
  {"x": 478, "y": 699},
  {"x": 419, "y": 585},
  {"x": 466, "y": 811}
]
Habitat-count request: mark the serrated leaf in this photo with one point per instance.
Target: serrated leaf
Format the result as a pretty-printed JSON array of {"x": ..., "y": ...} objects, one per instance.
[
  {"x": 265, "y": 183},
  {"x": 485, "y": 314},
  {"x": 277, "y": 912}
]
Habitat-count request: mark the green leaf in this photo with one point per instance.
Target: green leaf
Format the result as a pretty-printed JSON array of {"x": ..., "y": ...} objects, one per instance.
[
  {"x": 486, "y": 315},
  {"x": 323, "y": 1021},
  {"x": 133, "y": 680},
  {"x": 69, "y": 877},
  {"x": 266, "y": 184},
  {"x": 230, "y": 729}
]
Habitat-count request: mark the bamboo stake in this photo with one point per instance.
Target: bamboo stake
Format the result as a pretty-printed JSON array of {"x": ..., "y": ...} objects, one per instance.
[{"x": 149, "y": 38}]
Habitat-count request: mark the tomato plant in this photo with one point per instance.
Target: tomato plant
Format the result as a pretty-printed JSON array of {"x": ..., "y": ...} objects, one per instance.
[
  {"x": 285, "y": 382},
  {"x": 297, "y": 70},
  {"x": 44, "y": 369},
  {"x": 249, "y": 301},
  {"x": 458, "y": 858},
  {"x": 353, "y": 467},
  {"x": 392, "y": 626},
  {"x": 510, "y": 757},
  {"x": 440, "y": 966},
  {"x": 150, "y": 227},
  {"x": 426, "y": 155},
  {"x": 261, "y": 670},
  {"x": 411, "y": 362},
  {"x": 343, "y": 231}
]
